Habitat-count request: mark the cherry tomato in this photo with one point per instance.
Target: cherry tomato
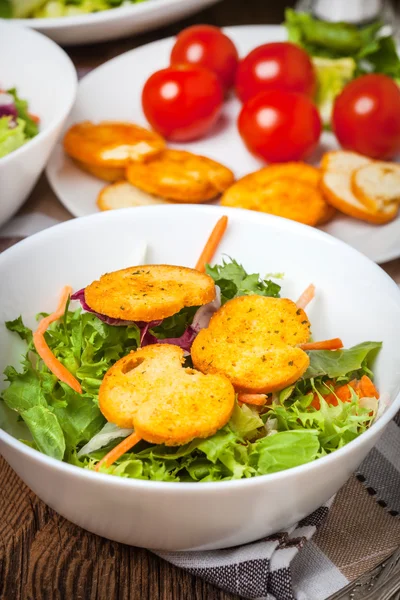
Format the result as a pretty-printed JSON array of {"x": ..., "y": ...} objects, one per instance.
[
  {"x": 277, "y": 66},
  {"x": 280, "y": 126},
  {"x": 182, "y": 102},
  {"x": 207, "y": 47},
  {"x": 366, "y": 116}
]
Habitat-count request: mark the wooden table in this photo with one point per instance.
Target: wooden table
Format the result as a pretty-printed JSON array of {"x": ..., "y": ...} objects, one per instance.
[{"x": 43, "y": 556}]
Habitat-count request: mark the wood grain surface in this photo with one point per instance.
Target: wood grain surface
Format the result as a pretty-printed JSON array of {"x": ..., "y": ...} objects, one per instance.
[{"x": 45, "y": 557}]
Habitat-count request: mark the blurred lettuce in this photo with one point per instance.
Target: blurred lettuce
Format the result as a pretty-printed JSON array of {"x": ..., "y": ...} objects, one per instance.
[{"x": 340, "y": 52}]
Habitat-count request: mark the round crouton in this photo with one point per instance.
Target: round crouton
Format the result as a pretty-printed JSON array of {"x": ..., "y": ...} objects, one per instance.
[
  {"x": 149, "y": 292},
  {"x": 164, "y": 402}
]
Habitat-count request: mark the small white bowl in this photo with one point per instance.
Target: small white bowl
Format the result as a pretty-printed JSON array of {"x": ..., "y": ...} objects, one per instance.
[
  {"x": 45, "y": 77},
  {"x": 355, "y": 300}
]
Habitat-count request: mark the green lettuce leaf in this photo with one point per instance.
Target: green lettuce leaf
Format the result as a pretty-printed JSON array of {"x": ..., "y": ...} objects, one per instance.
[
  {"x": 175, "y": 326},
  {"x": 17, "y": 326},
  {"x": 332, "y": 76},
  {"x": 339, "y": 363},
  {"x": 46, "y": 431},
  {"x": 233, "y": 281},
  {"x": 284, "y": 450},
  {"x": 31, "y": 128},
  {"x": 11, "y": 138}
]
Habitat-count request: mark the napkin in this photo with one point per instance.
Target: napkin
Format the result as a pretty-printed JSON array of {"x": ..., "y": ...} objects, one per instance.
[{"x": 334, "y": 546}]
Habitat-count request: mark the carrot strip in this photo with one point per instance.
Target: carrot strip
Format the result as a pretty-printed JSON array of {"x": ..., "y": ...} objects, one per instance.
[
  {"x": 367, "y": 388},
  {"x": 51, "y": 362},
  {"x": 306, "y": 297},
  {"x": 212, "y": 244},
  {"x": 334, "y": 344},
  {"x": 364, "y": 388},
  {"x": 34, "y": 118},
  {"x": 253, "y": 399},
  {"x": 119, "y": 450}
]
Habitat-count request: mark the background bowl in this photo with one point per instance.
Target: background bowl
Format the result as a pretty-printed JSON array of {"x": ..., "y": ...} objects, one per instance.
[
  {"x": 355, "y": 300},
  {"x": 45, "y": 76},
  {"x": 115, "y": 23}
]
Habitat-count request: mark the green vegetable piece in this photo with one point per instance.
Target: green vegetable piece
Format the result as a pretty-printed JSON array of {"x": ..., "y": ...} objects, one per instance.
[
  {"x": 284, "y": 450},
  {"x": 332, "y": 76},
  {"x": 31, "y": 128},
  {"x": 46, "y": 431},
  {"x": 233, "y": 281},
  {"x": 336, "y": 363},
  {"x": 11, "y": 138}
]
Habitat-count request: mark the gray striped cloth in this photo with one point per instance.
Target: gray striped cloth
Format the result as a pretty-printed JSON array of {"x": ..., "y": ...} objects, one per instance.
[{"x": 318, "y": 556}]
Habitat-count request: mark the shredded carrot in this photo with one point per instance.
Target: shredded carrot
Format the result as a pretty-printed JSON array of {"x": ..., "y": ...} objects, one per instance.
[
  {"x": 119, "y": 450},
  {"x": 334, "y": 344},
  {"x": 212, "y": 244},
  {"x": 43, "y": 349},
  {"x": 34, "y": 118},
  {"x": 254, "y": 399},
  {"x": 306, "y": 297},
  {"x": 364, "y": 388},
  {"x": 367, "y": 388}
]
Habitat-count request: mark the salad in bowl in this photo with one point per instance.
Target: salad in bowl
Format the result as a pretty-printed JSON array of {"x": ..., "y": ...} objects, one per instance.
[
  {"x": 17, "y": 124},
  {"x": 152, "y": 393},
  {"x": 168, "y": 373}
]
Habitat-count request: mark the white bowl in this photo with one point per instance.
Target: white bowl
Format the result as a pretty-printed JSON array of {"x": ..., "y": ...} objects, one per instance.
[
  {"x": 355, "y": 300},
  {"x": 115, "y": 23},
  {"x": 45, "y": 77}
]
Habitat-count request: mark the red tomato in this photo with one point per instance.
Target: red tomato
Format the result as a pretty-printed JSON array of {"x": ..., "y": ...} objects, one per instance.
[
  {"x": 277, "y": 66},
  {"x": 280, "y": 126},
  {"x": 207, "y": 47},
  {"x": 183, "y": 102},
  {"x": 366, "y": 116}
]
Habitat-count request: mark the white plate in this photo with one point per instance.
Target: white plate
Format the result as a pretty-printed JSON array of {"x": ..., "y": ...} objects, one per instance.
[
  {"x": 113, "y": 91},
  {"x": 115, "y": 23}
]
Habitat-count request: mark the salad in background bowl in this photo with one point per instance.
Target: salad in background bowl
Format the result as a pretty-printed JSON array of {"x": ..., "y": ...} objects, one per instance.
[
  {"x": 152, "y": 506},
  {"x": 33, "y": 113},
  {"x": 17, "y": 124}
]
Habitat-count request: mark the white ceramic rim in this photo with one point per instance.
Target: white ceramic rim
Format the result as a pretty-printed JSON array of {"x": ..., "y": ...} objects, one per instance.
[
  {"x": 172, "y": 487},
  {"x": 105, "y": 16},
  {"x": 68, "y": 101}
]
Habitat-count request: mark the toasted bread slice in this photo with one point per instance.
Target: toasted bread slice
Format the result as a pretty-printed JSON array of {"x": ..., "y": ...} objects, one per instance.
[
  {"x": 165, "y": 403},
  {"x": 104, "y": 173},
  {"x": 343, "y": 161},
  {"x": 181, "y": 176},
  {"x": 124, "y": 195},
  {"x": 283, "y": 197},
  {"x": 377, "y": 184},
  {"x": 337, "y": 189},
  {"x": 253, "y": 341},
  {"x": 293, "y": 170},
  {"x": 111, "y": 143},
  {"x": 150, "y": 292}
]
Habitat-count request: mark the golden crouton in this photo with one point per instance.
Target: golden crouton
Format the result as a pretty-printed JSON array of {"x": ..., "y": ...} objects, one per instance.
[
  {"x": 111, "y": 143},
  {"x": 253, "y": 341},
  {"x": 181, "y": 176},
  {"x": 104, "y": 173},
  {"x": 122, "y": 194},
  {"x": 149, "y": 292},
  {"x": 283, "y": 197},
  {"x": 165, "y": 403}
]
